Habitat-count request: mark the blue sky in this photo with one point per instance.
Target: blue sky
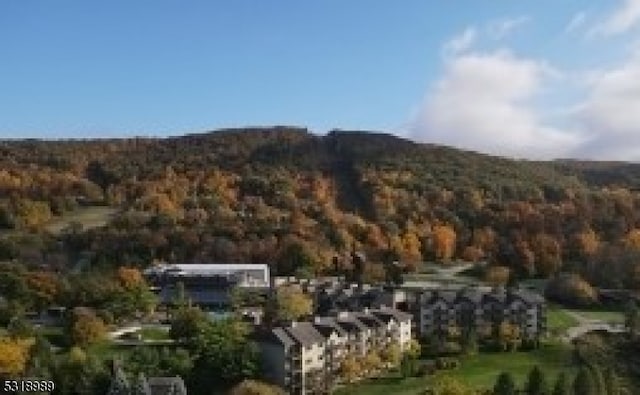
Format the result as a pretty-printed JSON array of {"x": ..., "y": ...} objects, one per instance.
[{"x": 525, "y": 78}]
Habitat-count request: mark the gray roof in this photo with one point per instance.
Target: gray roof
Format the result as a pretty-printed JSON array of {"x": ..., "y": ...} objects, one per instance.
[
  {"x": 328, "y": 325},
  {"x": 167, "y": 386},
  {"x": 304, "y": 333},
  {"x": 447, "y": 295},
  {"x": 473, "y": 295},
  {"x": 369, "y": 320},
  {"x": 526, "y": 296},
  {"x": 281, "y": 336},
  {"x": 350, "y": 323},
  {"x": 387, "y": 314}
]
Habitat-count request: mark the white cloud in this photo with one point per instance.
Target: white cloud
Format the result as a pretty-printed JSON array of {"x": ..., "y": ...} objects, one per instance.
[
  {"x": 501, "y": 28},
  {"x": 610, "y": 114},
  {"x": 461, "y": 42},
  {"x": 578, "y": 20},
  {"x": 483, "y": 102},
  {"x": 623, "y": 19}
]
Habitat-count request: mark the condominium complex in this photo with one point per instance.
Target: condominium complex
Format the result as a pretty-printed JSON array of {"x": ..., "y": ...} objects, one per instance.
[
  {"x": 305, "y": 357},
  {"x": 442, "y": 309}
]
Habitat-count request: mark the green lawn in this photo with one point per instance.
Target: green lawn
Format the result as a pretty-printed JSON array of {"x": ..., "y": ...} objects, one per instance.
[
  {"x": 154, "y": 334},
  {"x": 482, "y": 370},
  {"x": 88, "y": 217},
  {"x": 479, "y": 371},
  {"x": 558, "y": 320}
]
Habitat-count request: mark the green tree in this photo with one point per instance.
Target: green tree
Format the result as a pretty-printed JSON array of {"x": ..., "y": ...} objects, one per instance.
[
  {"x": 583, "y": 383},
  {"x": 598, "y": 379},
  {"x": 290, "y": 303},
  {"x": 632, "y": 319},
  {"x": 561, "y": 387},
  {"x": 446, "y": 385},
  {"x": 504, "y": 385},
  {"x": 612, "y": 382},
  {"x": 225, "y": 355},
  {"x": 187, "y": 323},
  {"x": 408, "y": 365},
  {"x": 536, "y": 383}
]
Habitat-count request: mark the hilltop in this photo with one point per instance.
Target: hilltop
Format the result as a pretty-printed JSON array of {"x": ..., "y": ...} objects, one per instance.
[{"x": 297, "y": 200}]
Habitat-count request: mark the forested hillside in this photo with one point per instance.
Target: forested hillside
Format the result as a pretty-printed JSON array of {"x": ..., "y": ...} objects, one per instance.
[{"x": 298, "y": 201}]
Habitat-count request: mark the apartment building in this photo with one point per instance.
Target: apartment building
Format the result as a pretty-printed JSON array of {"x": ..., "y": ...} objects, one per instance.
[
  {"x": 442, "y": 309},
  {"x": 305, "y": 357}
]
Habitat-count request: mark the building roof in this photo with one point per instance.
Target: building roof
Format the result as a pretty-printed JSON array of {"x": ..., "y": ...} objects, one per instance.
[
  {"x": 304, "y": 333},
  {"x": 369, "y": 320},
  {"x": 386, "y": 314},
  {"x": 528, "y": 297},
  {"x": 207, "y": 268},
  {"x": 327, "y": 325},
  {"x": 473, "y": 295},
  {"x": 350, "y": 323},
  {"x": 166, "y": 386}
]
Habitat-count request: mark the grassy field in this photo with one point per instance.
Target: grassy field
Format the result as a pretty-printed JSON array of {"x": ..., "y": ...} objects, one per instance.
[
  {"x": 154, "y": 334},
  {"x": 88, "y": 217},
  {"x": 479, "y": 371},
  {"x": 559, "y": 320}
]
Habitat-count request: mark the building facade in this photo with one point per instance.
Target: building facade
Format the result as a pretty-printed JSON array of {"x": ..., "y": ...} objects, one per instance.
[
  {"x": 440, "y": 310},
  {"x": 306, "y": 357},
  {"x": 207, "y": 285}
]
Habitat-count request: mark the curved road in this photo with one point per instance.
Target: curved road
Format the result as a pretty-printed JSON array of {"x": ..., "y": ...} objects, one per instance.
[{"x": 586, "y": 325}]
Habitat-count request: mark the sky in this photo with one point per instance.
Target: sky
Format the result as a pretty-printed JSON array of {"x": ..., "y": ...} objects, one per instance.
[{"x": 537, "y": 79}]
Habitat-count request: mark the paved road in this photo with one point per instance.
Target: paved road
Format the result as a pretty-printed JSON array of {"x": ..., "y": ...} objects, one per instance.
[{"x": 586, "y": 325}]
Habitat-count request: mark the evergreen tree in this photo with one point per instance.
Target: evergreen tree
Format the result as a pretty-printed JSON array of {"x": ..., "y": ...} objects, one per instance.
[
  {"x": 598, "y": 380},
  {"x": 583, "y": 383},
  {"x": 505, "y": 385},
  {"x": 119, "y": 384},
  {"x": 561, "y": 386},
  {"x": 632, "y": 319},
  {"x": 140, "y": 386},
  {"x": 536, "y": 383},
  {"x": 611, "y": 382}
]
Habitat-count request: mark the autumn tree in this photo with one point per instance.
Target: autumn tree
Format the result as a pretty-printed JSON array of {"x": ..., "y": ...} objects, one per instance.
[
  {"x": 497, "y": 275},
  {"x": 446, "y": 385},
  {"x": 290, "y": 303},
  {"x": 444, "y": 242},
  {"x": 372, "y": 361},
  {"x": 508, "y": 336},
  {"x": 45, "y": 287},
  {"x": 130, "y": 277},
  {"x": 547, "y": 254},
  {"x": 86, "y": 327},
  {"x": 254, "y": 387},
  {"x": 14, "y": 355},
  {"x": 350, "y": 369},
  {"x": 571, "y": 289},
  {"x": 391, "y": 354}
]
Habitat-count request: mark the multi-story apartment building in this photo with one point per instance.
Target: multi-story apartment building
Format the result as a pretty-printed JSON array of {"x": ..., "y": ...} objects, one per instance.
[
  {"x": 305, "y": 357},
  {"x": 442, "y": 309},
  {"x": 293, "y": 357}
]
